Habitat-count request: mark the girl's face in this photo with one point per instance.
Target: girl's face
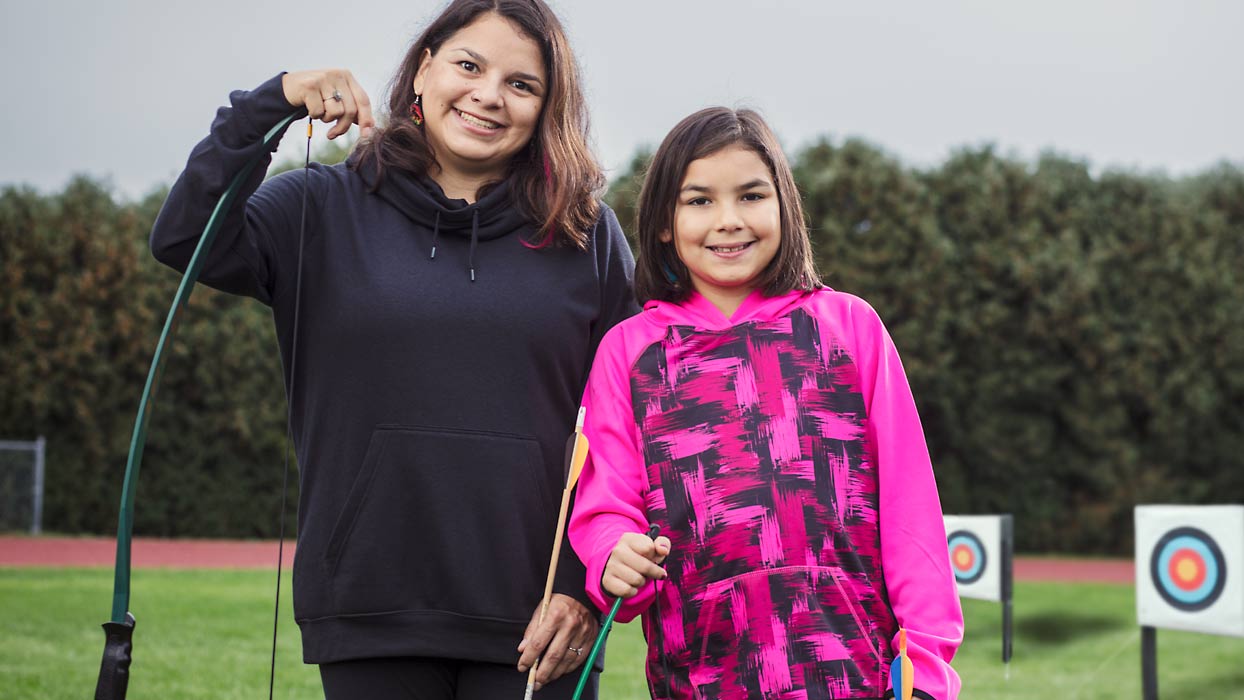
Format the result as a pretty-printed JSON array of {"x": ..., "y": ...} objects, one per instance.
[
  {"x": 482, "y": 95},
  {"x": 727, "y": 224}
]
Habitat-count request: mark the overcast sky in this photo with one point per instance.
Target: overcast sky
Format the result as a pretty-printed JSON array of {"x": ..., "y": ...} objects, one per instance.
[{"x": 124, "y": 89}]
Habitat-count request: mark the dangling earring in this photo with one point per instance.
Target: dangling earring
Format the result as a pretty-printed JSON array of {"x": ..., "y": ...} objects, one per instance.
[
  {"x": 669, "y": 273},
  {"x": 416, "y": 110}
]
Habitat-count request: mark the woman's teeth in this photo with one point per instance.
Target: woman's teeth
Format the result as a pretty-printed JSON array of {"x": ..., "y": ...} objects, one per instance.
[{"x": 476, "y": 121}]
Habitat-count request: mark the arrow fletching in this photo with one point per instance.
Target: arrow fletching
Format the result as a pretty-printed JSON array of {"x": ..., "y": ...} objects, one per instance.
[
  {"x": 902, "y": 673},
  {"x": 576, "y": 452}
]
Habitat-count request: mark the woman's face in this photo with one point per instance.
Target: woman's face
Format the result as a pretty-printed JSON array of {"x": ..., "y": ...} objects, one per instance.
[{"x": 482, "y": 95}]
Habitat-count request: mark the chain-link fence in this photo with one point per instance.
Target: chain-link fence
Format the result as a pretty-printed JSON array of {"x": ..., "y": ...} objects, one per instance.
[{"x": 21, "y": 485}]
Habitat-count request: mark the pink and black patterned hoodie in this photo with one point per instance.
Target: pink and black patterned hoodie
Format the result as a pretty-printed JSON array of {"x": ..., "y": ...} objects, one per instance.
[{"x": 781, "y": 453}]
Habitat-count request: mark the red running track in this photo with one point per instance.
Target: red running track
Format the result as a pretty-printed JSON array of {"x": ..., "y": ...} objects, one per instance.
[
  {"x": 235, "y": 554},
  {"x": 145, "y": 553}
]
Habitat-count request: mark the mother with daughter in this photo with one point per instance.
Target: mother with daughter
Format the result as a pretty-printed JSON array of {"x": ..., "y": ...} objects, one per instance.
[{"x": 439, "y": 300}]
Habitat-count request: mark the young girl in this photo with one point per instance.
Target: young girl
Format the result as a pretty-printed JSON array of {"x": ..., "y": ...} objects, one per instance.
[{"x": 764, "y": 423}]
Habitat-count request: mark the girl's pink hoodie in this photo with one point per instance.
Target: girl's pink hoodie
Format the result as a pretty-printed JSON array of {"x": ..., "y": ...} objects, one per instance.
[{"x": 781, "y": 453}]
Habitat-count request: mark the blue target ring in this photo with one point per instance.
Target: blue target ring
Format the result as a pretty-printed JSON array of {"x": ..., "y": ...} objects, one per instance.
[
  {"x": 967, "y": 556},
  {"x": 1188, "y": 569}
]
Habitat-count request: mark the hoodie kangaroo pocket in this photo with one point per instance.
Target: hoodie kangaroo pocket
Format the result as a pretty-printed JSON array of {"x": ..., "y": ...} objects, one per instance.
[
  {"x": 772, "y": 630},
  {"x": 447, "y": 520}
]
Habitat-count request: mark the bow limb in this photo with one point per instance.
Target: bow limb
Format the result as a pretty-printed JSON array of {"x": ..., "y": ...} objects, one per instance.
[{"x": 114, "y": 668}]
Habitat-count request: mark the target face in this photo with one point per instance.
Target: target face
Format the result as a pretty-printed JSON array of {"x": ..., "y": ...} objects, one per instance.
[
  {"x": 980, "y": 560},
  {"x": 967, "y": 556},
  {"x": 1188, "y": 565},
  {"x": 1188, "y": 569}
]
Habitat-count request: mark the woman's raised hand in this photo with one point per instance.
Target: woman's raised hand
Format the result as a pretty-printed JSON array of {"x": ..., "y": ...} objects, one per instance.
[{"x": 331, "y": 95}]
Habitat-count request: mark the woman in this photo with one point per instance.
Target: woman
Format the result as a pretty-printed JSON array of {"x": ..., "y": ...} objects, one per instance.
[{"x": 458, "y": 274}]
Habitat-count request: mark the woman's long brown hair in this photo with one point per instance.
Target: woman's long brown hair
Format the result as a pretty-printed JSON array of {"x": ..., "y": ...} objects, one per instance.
[{"x": 556, "y": 179}]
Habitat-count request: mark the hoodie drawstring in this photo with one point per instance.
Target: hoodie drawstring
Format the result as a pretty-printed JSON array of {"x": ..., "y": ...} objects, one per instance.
[
  {"x": 436, "y": 232},
  {"x": 474, "y": 240}
]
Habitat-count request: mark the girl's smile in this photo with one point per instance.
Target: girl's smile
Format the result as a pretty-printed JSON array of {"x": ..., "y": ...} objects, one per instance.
[
  {"x": 730, "y": 251},
  {"x": 727, "y": 224}
]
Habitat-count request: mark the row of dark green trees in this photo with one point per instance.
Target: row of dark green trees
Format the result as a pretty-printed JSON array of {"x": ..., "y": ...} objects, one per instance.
[{"x": 1075, "y": 342}]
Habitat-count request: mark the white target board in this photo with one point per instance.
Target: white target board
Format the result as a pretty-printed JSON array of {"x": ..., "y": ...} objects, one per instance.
[
  {"x": 1190, "y": 568},
  {"x": 980, "y": 555}
]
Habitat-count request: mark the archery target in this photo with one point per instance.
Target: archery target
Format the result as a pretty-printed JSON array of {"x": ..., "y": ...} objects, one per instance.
[
  {"x": 978, "y": 558},
  {"x": 967, "y": 556},
  {"x": 1188, "y": 568}
]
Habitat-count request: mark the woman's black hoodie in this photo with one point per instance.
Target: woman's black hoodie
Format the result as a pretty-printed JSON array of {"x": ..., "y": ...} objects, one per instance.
[{"x": 440, "y": 363}]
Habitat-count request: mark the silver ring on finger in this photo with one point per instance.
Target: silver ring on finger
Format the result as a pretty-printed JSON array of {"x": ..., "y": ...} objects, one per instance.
[
  {"x": 335, "y": 96},
  {"x": 577, "y": 651}
]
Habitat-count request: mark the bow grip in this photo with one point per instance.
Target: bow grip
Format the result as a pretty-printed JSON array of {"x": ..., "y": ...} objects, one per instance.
[{"x": 114, "y": 669}]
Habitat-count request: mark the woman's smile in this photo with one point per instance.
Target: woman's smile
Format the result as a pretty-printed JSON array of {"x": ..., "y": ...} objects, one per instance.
[{"x": 480, "y": 124}]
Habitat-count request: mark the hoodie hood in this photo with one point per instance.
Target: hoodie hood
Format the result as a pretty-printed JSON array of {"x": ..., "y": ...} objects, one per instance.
[
  {"x": 424, "y": 203},
  {"x": 699, "y": 312}
]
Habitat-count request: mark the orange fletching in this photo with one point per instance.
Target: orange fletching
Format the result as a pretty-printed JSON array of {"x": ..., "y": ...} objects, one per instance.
[
  {"x": 578, "y": 454},
  {"x": 908, "y": 672},
  {"x": 576, "y": 461}
]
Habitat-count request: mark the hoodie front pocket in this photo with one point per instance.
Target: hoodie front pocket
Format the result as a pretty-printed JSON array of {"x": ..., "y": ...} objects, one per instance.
[
  {"x": 770, "y": 631},
  {"x": 448, "y": 520}
]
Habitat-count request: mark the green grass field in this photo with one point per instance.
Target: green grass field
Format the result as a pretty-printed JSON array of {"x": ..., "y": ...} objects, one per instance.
[{"x": 207, "y": 634}]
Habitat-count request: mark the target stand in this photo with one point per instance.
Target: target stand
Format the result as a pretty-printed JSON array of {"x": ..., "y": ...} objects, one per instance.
[
  {"x": 1189, "y": 561},
  {"x": 982, "y": 549}
]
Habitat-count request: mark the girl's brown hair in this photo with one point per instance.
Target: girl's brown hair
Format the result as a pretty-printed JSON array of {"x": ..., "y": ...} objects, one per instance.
[
  {"x": 659, "y": 274},
  {"x": 556, "y": 179}
]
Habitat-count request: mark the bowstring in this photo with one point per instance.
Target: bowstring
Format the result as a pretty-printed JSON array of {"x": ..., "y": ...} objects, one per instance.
[{"x": 293, "y": 378}]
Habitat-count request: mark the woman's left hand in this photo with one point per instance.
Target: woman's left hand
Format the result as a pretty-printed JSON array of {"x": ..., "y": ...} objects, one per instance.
[{"x": 567, "y": 633}]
